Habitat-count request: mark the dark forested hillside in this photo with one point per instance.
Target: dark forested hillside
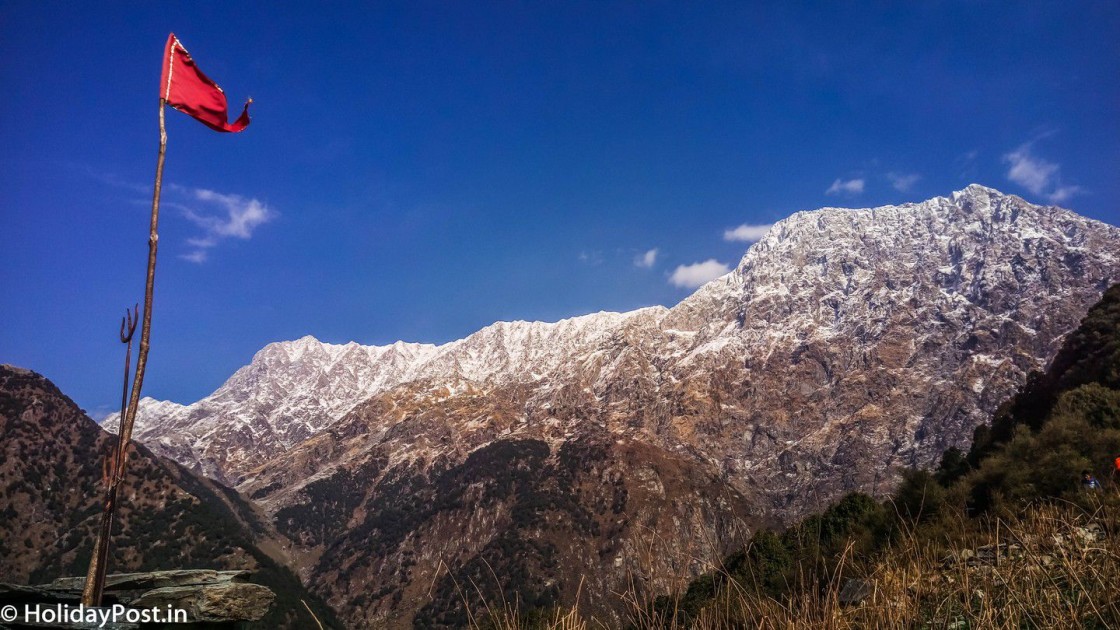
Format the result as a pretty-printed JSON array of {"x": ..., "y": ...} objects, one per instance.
[{"x": 50, "y": 498}]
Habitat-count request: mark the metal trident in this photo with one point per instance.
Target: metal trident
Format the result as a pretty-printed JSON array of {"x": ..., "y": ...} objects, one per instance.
[
  {"x": 112, "y": 475},
  {"x": 128, "y": 323}
]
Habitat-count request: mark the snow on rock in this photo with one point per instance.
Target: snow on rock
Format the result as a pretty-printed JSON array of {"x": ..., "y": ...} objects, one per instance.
[{"x": 837, "y": 318}]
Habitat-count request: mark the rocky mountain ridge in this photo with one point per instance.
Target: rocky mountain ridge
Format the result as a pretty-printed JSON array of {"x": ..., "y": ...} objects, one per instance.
[
  {"x": 292, "y": 390},
  {"x": 967, "y": 255},
  {"x": 845, "y": 345}
]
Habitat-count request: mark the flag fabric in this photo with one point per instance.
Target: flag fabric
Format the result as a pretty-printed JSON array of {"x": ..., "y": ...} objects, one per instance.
[{"x": 184, "y": 87}]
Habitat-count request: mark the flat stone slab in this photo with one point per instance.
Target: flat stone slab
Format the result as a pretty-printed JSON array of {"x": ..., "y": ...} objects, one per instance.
[
  {"x": 12, "y": 593},
  {"x": 232, "y": 601},
  {"x": 154, "y": 579}
]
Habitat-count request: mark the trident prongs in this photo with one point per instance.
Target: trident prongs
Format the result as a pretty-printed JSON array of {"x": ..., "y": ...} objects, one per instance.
[
  {"x": 131, "y": 319},
  {"x": 112, "y": 474},
  {"x": 128, "y": 323}
]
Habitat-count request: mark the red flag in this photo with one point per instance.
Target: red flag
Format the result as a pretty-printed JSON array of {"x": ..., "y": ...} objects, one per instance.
[{"x": 185, "y": 88}]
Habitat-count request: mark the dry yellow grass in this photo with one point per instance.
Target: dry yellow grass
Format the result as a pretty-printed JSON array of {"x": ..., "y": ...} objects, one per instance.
[{"x": 1052, "y": 566}]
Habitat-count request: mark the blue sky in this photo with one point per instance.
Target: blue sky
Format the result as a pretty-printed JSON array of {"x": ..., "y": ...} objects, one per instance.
[{"x": 419, "y": 170}]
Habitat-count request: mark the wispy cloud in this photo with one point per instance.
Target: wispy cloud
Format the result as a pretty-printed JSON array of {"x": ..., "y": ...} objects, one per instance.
[
  {"x": 238, "y": 218},
  {"x": 965, "y": 164},
  {"x": 696, "y": 274},
  {"x": 221, "y": 216},
  {"x": 592, "y": 258},
  {"x": 197, "y": 256},
  {"x": 1037, "y": 174},
  {"x": 100, "y": 413},
  {"x": 110, "y": 178},
  {"x": 903, "y": 182},
  {"x": 747, "y": 233},
  {"x": 1030, "y": 172},
  {"x": 1062, "y": 194},
  {"x": 848, "y": 187},
  {"x": 646, "y": 260}
]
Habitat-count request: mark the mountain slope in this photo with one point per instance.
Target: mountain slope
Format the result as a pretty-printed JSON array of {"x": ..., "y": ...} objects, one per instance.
[
  {"x": 50, "y": 499},
  {"x": 1027, "y": 466},
  {"x": 845, "y": 345}
]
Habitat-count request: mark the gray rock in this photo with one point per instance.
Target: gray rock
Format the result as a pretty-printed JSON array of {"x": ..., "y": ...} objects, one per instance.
[
  {"x": 855, "y": 591},
  {"x": 232, "y": 601},
  {"x": 15, "y": 593},
  {"x": 154, "y": 579}
]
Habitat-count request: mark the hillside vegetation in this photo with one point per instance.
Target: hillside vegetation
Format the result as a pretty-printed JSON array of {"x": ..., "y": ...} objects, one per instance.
[{"x": 51, "y": 461}]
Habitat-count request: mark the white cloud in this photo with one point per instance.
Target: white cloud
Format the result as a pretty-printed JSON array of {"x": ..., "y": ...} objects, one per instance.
[
  {"x": 98, "y": 415},
  {"x": 646, "y": 260},
  {"x": 850, "y": 187},
  {"x": 241, "y": 217},
  {"x": 198, "y": 256},
  {"x": 696, "y": 274},
  {"x": 116, "y": 181},
  {"x": 1062, "y": 194},
  {"x": 202, "y": 243},
  {"x": 747, "y": 233},
  {"x": 903, "y": 183},
  {"x": 1038, "y": 175},
  {"x": 1033, "y": 173}
]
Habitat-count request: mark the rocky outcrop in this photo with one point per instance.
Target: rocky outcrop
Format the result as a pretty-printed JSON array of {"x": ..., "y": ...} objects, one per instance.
[
  {"x": 207, "y": 598},
  {"x": 212, "y": 603}
]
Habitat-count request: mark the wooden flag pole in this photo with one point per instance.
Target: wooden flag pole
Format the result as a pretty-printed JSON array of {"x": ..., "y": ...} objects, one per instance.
[{"x": 95, "y": 576}]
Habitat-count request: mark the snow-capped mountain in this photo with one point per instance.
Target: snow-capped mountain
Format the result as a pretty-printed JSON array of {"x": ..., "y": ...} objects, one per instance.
[
  {"x": 975, "y": 265},
  {"x": 845, "y": 344},
  {"x": 292, "y": 390}
]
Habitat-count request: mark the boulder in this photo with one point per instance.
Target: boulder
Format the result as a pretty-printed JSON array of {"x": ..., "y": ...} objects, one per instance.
[{"x": 855, "y": 591}]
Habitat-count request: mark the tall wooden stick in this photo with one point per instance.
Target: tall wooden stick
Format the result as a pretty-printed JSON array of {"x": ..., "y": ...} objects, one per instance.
[{"x": 95, "y": 576}]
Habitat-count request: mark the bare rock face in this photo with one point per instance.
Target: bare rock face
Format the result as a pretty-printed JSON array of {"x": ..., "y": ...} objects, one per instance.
[
  {"x": 845, "y": 345},
  {"x": 517, "y": 519}
]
